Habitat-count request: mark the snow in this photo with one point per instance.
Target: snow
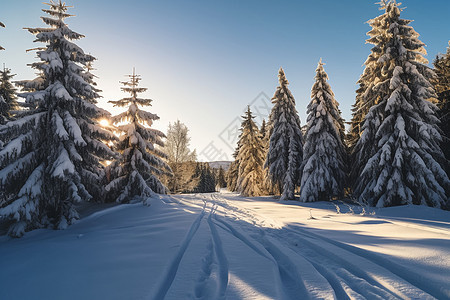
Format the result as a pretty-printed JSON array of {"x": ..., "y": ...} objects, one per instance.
[
  {"x": 60, "y": 130},
  {"x": 63, "y": 164},
  {"x": 74, "y": 129},
  {"x": 14, "y": 147},
  {"x": 221, "y": 245}
]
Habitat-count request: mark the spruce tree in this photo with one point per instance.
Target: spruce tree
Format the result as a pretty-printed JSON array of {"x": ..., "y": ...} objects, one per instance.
[
  {"x": 324, "y": 154},
  {"x": 51, "y": 158},
  {"x": 263, "y": 130},
  {"x": 251, "y": 156},
  {"x": 206, "y": 182},
  {"x": 137, "y": 171},
  {"x": 210, "y": 179},
  {"x": 221, "y": 182},
  {"x": 366, "y": 94},
  {"x": 232, "y": 175},
  {"x": 265, "y": 139},
  {"x": 442, "y": 86},
  {"x": 8, "y": 97},
  {"x": 401, "y": 129},
  {"x": 285, "y": 153},
  {"x": 369, "y": 92}
]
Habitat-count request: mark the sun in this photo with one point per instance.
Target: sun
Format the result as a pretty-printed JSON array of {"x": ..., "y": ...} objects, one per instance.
[{"x": 104, "y": 122}]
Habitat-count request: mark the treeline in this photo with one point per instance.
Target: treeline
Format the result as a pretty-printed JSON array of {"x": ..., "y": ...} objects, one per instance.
[
  {"x": 55, "y": 153},
  {"x": 195, "y": 177},
  {"x": 394, "y": 151}
]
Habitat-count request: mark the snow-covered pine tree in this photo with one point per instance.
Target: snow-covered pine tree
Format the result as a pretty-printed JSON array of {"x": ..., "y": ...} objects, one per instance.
[
  {"x": 285, "y": 153},
  {"x": 442, "y": 87},
  {"x": 51, "y": 158},
  {"x": 324, "y": 154},
  {"x": 8, "y": 97},
  {"x": 265, "y": 136},
  {"x": 402, "y": 127},
  {"x": 137, "y": 171},
  {"x": 250, "y": 181},
  {"x": 369, "y": 92}
]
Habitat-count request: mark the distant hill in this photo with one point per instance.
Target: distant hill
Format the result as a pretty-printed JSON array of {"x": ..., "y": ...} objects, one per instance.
[{"x": 217, "y": 164}]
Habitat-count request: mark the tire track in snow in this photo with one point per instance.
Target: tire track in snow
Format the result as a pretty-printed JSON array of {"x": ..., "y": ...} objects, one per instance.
[{"x": 175, "y": 263}]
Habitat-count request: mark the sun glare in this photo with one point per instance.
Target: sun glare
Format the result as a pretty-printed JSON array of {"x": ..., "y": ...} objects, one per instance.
[{"x": 104, "y": 122}]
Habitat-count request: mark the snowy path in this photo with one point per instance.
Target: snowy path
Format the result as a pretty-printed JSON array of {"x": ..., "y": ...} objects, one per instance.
[{"x": 222, "y": 246}]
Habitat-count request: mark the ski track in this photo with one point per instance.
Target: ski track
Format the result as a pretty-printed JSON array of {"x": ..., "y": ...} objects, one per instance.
[
  {"x": 220, "y": 255},
  {"x": 402, "y": 272},
  {"x": 174, "y": 265},
  {"x": 308, "y": 265},
  {"x": 347, "y": 275},
  {"x": 204, "y": 282}
]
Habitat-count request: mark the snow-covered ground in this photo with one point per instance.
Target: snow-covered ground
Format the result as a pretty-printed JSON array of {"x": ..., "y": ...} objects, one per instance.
[{"x": 222, "y": 246}]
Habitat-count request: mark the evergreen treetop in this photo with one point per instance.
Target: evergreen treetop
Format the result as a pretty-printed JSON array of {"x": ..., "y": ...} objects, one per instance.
[{"x": 8, "y": 97}]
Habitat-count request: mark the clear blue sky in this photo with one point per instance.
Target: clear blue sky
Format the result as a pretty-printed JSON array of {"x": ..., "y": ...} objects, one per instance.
[{"x": 204, "y": 61}]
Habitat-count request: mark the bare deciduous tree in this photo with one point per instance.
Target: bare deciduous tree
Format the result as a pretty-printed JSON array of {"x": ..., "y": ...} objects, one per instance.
[{"x": 178, "y": 152}]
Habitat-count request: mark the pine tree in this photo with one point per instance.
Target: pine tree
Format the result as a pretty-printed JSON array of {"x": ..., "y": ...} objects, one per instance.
[
  {"x": 251, "y": 156},
  {"x": 285, "y": 152},
  {"x": 263, "y": 130},
  {"x": 221, "y": 182},
  {"x": 232, "y": 175},
  {"x": 324, "y": 154},
  {"x": 206, "y": 182},
  {"x": 51, "y": 158},
  {"x": 369, "y": 92},
  {"x": 442, "y": 86},
  {"x": 210, "y": 179},
  {"x": 8, "y": 98},
  {"x": 137, "y": 171},
  {"x": 265, "y": 139},
  {"x": 402, "y": 127}
]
